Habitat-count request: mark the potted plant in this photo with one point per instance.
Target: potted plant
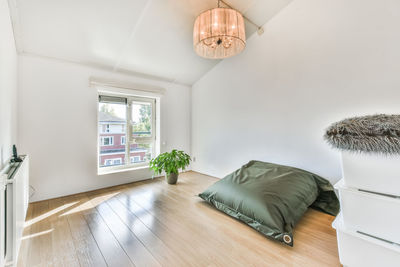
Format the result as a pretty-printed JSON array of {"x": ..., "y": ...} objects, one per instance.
[{"x": 170, "y": 163}]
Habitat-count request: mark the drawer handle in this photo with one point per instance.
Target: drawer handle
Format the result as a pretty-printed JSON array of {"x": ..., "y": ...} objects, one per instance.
[
  {"x": 381, "y": 239},
  {"x": 376, "y": 193}
]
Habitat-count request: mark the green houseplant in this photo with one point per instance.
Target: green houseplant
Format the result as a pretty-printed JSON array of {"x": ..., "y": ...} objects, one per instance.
[{"x": 170, "y": 163}]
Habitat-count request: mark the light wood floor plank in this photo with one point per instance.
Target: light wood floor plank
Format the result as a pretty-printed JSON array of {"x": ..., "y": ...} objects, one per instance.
[
  {"x": 64, "y": 253},
  {"x": 41, "y": 227},
  {"x": 26, "y": 241},
  {"x": 41, "y": 253},
  {"x": 171, "y": 236},
  {"x": 151, "y": 223},
  {"x": 110, "y": 248},
  {"x": 179, "y": 211},
  {"x": 180, "y": 215},
  {"x": 157, "y": 247},
  {"x": 86, "y": 247},
  {"x": 136, "y": 251}
]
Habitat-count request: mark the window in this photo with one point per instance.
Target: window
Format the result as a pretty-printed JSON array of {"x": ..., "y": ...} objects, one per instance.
[
  {"x": 117, "y": 161},
  {"x": 132, "y": 119},
  {"x": 110, "y": 162},
  {"x": 135, "y": 159},
  {"x": 107, "y": 140},
  {"x": 105, "y": 128}
]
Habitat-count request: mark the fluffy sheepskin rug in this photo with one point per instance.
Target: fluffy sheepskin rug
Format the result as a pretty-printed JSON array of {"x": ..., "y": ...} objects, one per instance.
[{"x": 374, "y": 133}]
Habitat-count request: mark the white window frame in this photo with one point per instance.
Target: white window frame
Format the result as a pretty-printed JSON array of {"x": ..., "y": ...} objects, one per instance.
[
  {"x": 123, "y": 137},
  {"x": 141, "y": 140},
  {"x": 111, "y": 139},
  {"x": 153, "y": 139}
]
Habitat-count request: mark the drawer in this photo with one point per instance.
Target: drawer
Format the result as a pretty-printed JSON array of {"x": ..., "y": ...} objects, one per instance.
[
  {"x": 373, "y": 172},
  {"x": 358, "y": 250},
  {"x": 370, "y": 213}
]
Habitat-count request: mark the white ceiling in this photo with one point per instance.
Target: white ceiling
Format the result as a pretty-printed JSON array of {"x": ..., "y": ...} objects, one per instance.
[{"x": 152, "y": 37}]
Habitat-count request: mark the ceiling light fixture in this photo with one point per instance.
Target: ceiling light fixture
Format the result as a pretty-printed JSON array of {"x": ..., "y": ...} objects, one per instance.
[{"x": 219, "y": 33}]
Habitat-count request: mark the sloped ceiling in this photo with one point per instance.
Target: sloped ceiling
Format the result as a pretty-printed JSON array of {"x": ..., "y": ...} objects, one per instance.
[{"x": 143, "y": 37}]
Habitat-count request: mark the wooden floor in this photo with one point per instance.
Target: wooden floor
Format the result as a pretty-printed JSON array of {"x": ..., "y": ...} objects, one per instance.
[{"x": 152, "y": 223}]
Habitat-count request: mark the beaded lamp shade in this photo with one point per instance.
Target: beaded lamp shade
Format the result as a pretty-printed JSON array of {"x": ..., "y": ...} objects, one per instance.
[{"x": 219, "y": 33}]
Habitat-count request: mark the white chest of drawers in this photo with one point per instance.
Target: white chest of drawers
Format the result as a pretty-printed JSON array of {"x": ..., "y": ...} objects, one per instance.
[
  {"x": 360, "y": 250},
  {"x": 368, "y": 228},
  {"x": 372, "y": 172}
]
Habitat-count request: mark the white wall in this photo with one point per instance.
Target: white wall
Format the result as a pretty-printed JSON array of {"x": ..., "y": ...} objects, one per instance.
[
  {"x": 58, "y": 125},
  {"x": 317, "y": 62},
  {"x": 8, "y": 85}
]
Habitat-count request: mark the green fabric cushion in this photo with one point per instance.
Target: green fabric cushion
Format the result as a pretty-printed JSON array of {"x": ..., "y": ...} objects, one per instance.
[{"x": 271, "y": 198}]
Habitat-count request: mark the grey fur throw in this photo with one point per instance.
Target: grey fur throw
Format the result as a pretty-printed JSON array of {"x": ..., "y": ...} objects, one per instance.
[{"x": 371, "y": 134}]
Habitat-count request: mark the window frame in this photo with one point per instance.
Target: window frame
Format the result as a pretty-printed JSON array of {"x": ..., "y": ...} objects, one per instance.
[
  {"x": 144, "y": 139},
  {"x": 153, "y": 140}
]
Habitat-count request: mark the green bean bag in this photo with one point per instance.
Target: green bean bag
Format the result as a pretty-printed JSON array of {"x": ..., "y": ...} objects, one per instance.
[{"x": 271, "y": 198}]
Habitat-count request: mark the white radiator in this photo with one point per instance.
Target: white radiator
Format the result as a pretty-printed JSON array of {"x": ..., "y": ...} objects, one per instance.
[{"x": 14, "y": 199}]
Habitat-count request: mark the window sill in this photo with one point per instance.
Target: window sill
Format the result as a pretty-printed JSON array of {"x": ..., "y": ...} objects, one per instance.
[{"x": 117, "y": 170}]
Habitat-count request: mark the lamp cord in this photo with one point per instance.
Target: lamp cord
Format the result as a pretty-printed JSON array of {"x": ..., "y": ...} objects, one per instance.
[{"x": 259, "y": 28}]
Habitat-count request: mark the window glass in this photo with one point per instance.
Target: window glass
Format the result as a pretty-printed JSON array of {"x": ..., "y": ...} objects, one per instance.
[
  {"x": 142, "y": 152},
  {"x": 141, "y": 117},
  {"x": 112, "y": 122}
]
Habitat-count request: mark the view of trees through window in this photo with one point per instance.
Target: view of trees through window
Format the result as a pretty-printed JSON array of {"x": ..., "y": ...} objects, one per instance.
[
  {"x": 141, "y": 118},
  {"x": 108, "y": 108}
]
